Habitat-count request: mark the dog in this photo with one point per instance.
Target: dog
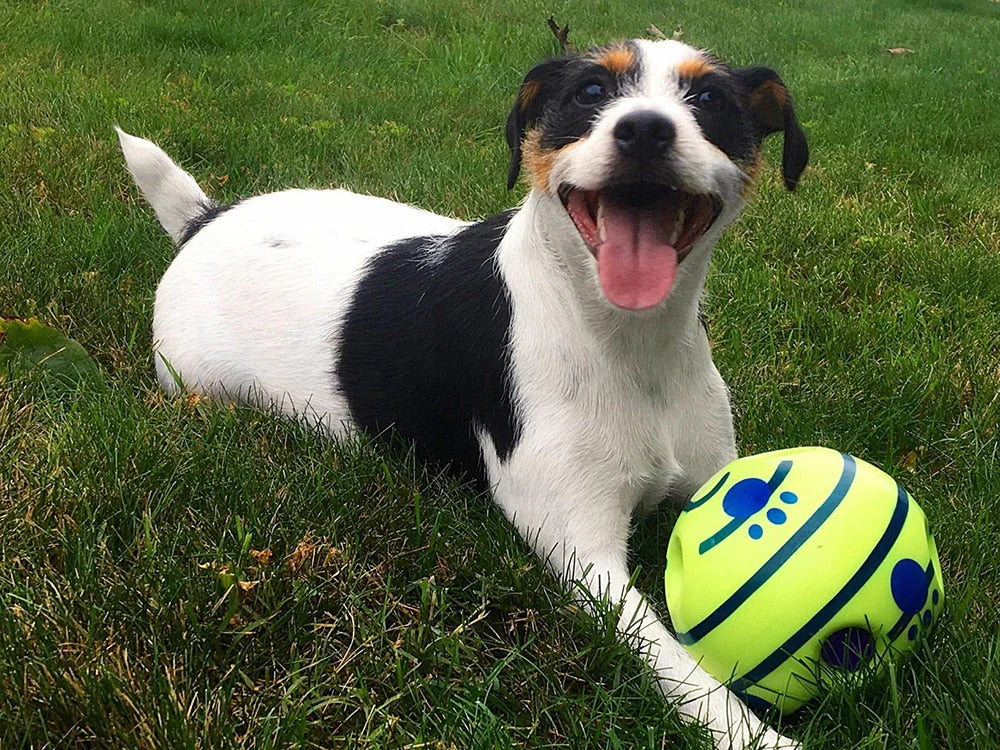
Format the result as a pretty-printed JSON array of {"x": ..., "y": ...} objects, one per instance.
[{"x": 555, "y": 352}]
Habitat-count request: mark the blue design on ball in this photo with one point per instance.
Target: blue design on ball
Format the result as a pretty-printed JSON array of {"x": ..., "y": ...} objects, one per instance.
[
  {"x": 912, "y": 633},
  {"x": 755, "y": 531},
  {"x": 909, "y": 586},
  {"x": 776, "y": 516},
  {"x": 742, "y": 500},
  {"x": 789, "y": 498},
  {"x": 935, "y": 596},
  {"x": 848, "y": 648},
  {"x": 746, "y": 497},
  {"x": 927, "y": 618},
  {"x": 907, "y": 616}
]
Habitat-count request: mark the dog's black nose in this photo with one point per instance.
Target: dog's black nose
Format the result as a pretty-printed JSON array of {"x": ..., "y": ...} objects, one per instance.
[{"x": 644, "y": 135}]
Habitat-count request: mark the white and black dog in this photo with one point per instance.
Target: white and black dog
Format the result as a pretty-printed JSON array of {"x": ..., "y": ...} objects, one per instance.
[{"x": 553, "y": 351}]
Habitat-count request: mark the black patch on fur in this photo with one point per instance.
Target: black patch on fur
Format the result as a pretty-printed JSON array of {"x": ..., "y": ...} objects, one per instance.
[
  {"x": 424, "y": 347},
  {"x": 566, "y": 119},
  {"x": 210, "y": 211},
  {"x": 721, "y": 108},
  {"x": 554, "y": 105},
  {"x": 775, "y": 113},
  {"x": 737, "y": 118}
]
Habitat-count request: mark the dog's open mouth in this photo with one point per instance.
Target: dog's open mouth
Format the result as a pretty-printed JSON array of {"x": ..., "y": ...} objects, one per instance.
[{"x": 639, "y": 233}]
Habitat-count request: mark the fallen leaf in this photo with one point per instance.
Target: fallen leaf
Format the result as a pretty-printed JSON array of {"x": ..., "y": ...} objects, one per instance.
[
  {"x": 25, "y": 345},
  {"x": 655, "y": 32},
  {"x": 302, "y": 553},
  {"x": 262, "y": 556},
  {"x": 39, "y": 134}
]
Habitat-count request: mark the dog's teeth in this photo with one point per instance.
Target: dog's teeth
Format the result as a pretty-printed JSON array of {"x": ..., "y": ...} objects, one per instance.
[
  {"x": 600, "y": 220},
  {"x": 675, "y": 234}
]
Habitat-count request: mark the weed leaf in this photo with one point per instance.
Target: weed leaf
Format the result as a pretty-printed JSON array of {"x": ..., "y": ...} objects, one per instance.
[{"x": 26, "y": 345}]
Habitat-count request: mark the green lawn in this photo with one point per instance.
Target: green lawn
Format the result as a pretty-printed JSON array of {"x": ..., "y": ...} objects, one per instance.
[{"x": 180, "y": 575}]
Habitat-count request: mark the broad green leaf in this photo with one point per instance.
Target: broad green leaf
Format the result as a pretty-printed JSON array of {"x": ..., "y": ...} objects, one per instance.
[{"x": 25, "y": 345}]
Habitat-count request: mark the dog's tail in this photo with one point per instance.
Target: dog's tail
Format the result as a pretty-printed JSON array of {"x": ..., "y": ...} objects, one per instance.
[{"x": 172, "y": 192}]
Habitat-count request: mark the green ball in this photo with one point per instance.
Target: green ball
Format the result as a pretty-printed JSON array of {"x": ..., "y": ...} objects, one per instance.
[{"x": 787, "y": 565}]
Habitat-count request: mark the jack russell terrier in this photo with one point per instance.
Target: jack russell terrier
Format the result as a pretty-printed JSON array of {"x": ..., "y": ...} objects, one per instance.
[{"x": 554, "y": 352}]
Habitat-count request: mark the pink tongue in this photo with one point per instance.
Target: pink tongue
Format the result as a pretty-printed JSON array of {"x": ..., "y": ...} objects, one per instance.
[{"x": 635, "y": 262}]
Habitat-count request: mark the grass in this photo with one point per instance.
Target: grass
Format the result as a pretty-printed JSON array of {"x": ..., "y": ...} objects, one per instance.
[{"x": 178, "y": 574}]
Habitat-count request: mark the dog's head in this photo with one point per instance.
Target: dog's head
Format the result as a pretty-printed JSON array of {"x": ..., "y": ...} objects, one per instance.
[{"x": 649, "y": 146}]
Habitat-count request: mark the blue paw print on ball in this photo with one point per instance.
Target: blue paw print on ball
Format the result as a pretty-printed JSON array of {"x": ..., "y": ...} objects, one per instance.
[
  {"x": 910, "y": 584},
  {"x": 775, "y": 515},
  {"x": 746, "y": 498}
]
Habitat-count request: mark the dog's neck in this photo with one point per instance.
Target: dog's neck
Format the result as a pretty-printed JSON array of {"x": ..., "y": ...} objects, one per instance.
[{"x": 546, "y": 262}]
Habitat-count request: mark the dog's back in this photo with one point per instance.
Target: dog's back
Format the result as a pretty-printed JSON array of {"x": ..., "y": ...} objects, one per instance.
[{"x": 249, "y": 274}]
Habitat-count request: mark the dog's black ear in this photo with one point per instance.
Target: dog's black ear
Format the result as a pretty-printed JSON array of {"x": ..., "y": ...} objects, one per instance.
[
  {"x": 771, "y": 110},
  {"x": 535, "y": 87}
]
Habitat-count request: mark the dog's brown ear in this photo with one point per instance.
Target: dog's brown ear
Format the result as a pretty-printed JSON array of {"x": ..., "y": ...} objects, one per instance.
[
  {"x": 771, "y": 110},
  {"x": 535, "y": 88}
]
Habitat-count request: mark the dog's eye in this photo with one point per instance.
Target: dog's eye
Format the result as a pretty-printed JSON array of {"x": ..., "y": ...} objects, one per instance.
[
  {"x": 708, "y": 100},
  {"x": 590, "y": 94}
]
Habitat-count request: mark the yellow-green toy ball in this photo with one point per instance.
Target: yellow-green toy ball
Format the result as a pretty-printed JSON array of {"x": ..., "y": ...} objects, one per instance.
[{"x": 788, "y": 564}]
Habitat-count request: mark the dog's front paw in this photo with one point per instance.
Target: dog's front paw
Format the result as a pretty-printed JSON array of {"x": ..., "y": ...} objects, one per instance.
[
  {"x": 771, "y": 740},
  {"x": 761, "y": 739}
]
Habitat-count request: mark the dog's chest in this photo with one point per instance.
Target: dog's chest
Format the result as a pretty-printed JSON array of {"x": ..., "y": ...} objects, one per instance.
[{"x": 623, "y": 419}]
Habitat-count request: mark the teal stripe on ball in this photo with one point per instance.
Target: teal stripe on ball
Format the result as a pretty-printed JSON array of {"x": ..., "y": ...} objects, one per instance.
[
  {"x": 707, "y": 496},
  {"x": 769, "y": 568},
  {"x": 872, "y": 563}
]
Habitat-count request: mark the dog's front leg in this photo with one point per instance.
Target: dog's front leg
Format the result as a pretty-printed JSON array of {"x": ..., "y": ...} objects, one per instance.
[
  {"x": 698, "y": 696},
  {"x": 586, "y": 544}
]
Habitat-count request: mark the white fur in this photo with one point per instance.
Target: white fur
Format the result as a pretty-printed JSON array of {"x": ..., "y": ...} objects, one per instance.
[
  {"x": 171, "y": 192},
  {"x": 618, "y": 409},
  {"x": 238, "y": 318}
]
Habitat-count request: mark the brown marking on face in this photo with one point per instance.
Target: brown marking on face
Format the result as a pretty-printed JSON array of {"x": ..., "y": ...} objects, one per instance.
[
  {"x": 693, "y": 68},
  {"x": 538, "y": 161},
  {"x": 618, "y": 59},
  {"x": 527, "y": 93},
  {"x": 767, "y": 103}
]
